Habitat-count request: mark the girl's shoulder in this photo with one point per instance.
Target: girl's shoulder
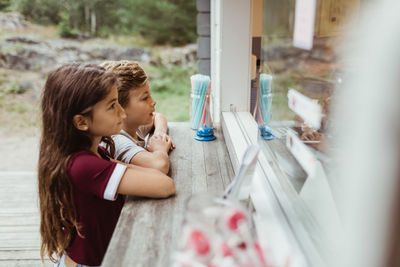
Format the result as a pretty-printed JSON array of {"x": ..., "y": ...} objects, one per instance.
[
  {"x": 87, "y": 153},
  {"x": 86, "y": 163},
  {"x": 82, "y": 153},
  {"x": 86, "y": 157}
]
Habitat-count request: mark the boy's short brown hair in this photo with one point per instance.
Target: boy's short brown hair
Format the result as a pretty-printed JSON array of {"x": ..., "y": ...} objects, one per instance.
[{"x": 130, "y": 76}]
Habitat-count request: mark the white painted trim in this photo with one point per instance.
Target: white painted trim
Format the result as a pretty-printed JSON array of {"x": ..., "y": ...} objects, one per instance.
[
  {"x": 234, "y": 138},
  {"x": 230, "y": 56},
  {"x": 215, "y": 100}
]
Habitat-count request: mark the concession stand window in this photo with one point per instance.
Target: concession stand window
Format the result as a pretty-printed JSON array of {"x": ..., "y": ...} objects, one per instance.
[{"x": 252, "y": 47}]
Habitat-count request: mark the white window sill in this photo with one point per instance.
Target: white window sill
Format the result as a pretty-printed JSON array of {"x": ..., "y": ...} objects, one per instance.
[{"x": 275, "y": 213}]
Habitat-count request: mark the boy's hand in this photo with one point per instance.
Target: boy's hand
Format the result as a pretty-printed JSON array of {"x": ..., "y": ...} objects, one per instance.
[
  {"x": 159, "y": 142},
  {"x": 162, "y": 133},
  {"x": 172, "y": 143}
]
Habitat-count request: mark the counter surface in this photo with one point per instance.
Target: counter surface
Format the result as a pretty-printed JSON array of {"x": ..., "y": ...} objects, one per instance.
[{"x": 148, "y": 230}]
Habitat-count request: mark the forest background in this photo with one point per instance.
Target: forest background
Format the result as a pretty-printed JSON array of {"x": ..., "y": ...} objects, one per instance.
[{"x": 163, "y": 31}]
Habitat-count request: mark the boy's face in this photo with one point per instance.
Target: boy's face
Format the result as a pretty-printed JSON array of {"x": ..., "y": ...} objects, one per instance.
[
  {"x": 140, "y": 107},
  {"x": 107, "y": 116}
]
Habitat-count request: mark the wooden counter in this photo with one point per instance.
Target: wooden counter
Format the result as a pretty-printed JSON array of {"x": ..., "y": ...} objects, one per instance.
[{"x": 148, "y": 230}]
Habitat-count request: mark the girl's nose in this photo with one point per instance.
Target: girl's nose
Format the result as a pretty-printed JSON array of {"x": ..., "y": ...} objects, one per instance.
[{"x": 154, "y": 102}]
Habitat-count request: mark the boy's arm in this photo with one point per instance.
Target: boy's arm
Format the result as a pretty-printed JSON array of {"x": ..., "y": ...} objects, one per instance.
[
  {"x": 161, "y": 127},
  {"x": 160, "y": 124},
  {"x": 156, "y": 156}
]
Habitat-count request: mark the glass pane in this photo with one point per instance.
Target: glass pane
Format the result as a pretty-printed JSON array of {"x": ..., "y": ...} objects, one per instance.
[{"x": 295, "y": 88}]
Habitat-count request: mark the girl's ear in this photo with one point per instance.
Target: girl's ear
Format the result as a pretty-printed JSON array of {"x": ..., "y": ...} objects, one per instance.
[{"x": 81, "y": 122}]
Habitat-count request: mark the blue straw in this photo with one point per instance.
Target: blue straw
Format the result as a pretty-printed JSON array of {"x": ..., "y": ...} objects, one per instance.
[
  {"x": 199, "y": 91},
  {"x": 265, "y": 95}
]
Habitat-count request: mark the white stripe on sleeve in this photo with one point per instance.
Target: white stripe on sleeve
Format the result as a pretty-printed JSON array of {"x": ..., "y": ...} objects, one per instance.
[{"x": 111, "y": 189}]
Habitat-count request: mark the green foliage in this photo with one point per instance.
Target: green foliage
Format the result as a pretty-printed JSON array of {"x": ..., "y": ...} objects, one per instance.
[
  {"x": 171, "y": 21},
  {"x": 172, "y": 76},
  {"x": 170, "y": 87},
  {"x": 15, "y": 88},
  {"x": 161, "y": 22},
  {"x": 64, "y": 28},
  {"x": 4, "y": 4},
  {"x": 40, "y": 11}
]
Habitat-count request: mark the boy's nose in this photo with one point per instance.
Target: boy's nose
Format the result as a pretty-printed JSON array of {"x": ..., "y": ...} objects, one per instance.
[
  {"x": 122, "y": 111},
  {"x": 123, "y": 114}
]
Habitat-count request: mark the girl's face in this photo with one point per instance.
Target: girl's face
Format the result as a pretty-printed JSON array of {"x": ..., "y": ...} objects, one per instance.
[
  {"x": 140, "y": 107},
  {"x": 107, "y": 116}
]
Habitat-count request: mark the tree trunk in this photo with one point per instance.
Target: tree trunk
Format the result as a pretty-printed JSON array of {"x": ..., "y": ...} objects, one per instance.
[
  {"x": 87, "y": 18},
  {"x": 93, "y": 23}
]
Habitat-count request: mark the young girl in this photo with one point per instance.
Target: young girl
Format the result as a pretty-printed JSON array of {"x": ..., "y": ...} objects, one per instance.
[
  {"x": 79, "y": 186},
  {"x": 134, "y": 96}
]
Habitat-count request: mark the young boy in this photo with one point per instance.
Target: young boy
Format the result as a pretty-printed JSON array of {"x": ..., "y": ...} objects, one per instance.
[{"x": 134, "y": 96}]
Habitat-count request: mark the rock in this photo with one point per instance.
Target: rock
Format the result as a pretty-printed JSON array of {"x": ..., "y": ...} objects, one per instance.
[
  {"x": 27, "y": 85},
  {"x": 23, "y": 39},
  {"x": 120, "y": 53},
  {"x": 23, "y": 52},
  {"x": 28, "y": 52},
  {"x": 12, "y": 21},
  {"x": 29, "y": 58},
  {"x": 178, "y": 55}
]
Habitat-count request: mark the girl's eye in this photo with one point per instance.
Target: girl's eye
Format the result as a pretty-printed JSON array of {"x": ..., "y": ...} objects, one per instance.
[{"x": 144, "y": 99}]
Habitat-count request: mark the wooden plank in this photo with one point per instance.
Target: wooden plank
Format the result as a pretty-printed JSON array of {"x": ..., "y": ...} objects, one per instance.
[
  {"x": 19, "y": 240},
  {"x": 18, "y": 229},
  {"x": 148, "y": 230},
  {"x": 139, "y": 231},
  {"x": 213, "y": 171},
  {"x": 182, "y": 175},
  {"x": 199, "y": 176},
  {"x": 19, "y": 220},
  {"x": 334, "y": 15},
  {"x": 21, "y": 202},
  {"x": 15, "y": 219},
  {"x": 25, "y": 263},
  {"x": 224, "y": 161},
  {"x": 18, "y": 210},
  {"x": 16, "y": 254}
]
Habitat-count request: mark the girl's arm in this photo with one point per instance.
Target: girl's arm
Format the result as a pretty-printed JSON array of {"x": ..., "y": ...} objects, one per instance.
[
  {"x": 158, "y": 160},
  {"x": 145, "y": 182}
]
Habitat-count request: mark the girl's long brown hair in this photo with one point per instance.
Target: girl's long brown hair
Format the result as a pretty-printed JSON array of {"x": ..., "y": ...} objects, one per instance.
[{"x": 70, "y": 90}]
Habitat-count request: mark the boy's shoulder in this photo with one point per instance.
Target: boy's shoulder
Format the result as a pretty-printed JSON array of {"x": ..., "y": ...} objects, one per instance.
[
  {"x": 123, "y": 139},
  {"x": 122, "y": 136}
]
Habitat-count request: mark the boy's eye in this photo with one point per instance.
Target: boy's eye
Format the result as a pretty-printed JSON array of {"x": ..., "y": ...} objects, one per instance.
[{"x": 112, "y": 106}]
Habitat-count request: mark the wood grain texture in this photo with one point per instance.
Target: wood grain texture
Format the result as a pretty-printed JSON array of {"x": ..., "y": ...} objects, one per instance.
[
  {"x": 19, "y": 220},
  {"x": 148, "y": 230}
]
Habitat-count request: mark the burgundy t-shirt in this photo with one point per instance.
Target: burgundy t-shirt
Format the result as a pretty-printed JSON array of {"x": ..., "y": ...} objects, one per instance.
[{"x": 95, "y": 181}]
